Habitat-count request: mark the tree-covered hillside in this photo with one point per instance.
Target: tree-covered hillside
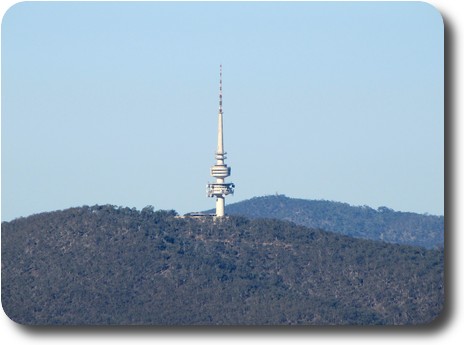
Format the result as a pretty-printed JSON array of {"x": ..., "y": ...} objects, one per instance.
[
  {"x": 111, "y": 265},
  {"x": 361, "y": 222}
]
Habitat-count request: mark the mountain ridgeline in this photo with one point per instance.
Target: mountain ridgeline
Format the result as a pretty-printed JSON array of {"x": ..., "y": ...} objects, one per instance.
[
  {"x": 383, "y": 224},
  {"x": 107, "y": 265}
]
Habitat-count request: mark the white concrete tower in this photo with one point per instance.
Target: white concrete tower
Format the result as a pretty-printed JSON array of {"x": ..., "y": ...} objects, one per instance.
[{"x": 220, "y": 171}]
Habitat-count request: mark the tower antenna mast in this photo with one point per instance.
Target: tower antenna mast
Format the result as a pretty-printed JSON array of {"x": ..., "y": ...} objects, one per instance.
[{"x": 220, "y": 170}]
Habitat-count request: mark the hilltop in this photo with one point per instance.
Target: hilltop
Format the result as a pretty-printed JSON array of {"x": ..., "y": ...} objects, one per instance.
[
  {"x": 383, "y": 224},
  {"x": 114, "y": 265}
]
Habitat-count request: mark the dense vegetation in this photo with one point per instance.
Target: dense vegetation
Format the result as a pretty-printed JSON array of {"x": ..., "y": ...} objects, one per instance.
[
  {"x": 361, "y": 222},
  {"x": 110, "y": 265}
]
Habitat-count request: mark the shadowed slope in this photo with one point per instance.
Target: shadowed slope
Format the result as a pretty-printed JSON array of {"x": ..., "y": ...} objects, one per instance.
[{"x": 108, "y": 265}]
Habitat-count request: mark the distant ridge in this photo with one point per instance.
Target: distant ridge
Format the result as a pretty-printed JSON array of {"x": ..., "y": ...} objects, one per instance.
[{"x": 383, "y": 224}]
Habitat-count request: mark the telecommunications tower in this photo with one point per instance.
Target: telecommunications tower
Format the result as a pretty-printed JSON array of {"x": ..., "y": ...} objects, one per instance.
[{"x": 220, "y": 170}]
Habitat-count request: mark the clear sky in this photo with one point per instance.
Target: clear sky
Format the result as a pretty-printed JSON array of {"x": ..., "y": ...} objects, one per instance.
[{"x": 116, "y": 103}]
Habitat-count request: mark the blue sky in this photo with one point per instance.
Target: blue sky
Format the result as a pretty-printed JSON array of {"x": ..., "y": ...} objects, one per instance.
[{"x": 116, "y": 103}]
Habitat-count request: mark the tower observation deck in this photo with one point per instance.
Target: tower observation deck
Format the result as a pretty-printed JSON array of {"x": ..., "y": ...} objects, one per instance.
[{"x": 220, "y": 170}]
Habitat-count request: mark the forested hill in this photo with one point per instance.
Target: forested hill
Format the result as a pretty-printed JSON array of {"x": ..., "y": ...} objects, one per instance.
[
  {"x": 361, "y": 222},
  {"x": 112, "y": 265}
]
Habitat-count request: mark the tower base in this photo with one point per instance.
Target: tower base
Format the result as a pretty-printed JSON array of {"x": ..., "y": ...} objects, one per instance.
[{"x": 220, "y": 206}]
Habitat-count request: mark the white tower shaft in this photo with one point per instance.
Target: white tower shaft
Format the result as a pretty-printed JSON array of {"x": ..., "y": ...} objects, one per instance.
[
  {"x": 220, "y": 171},
  {"x": 220, "y": 146}
]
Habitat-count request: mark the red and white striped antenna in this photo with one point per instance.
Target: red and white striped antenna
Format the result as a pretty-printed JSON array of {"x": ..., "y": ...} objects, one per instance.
[{"x": 220, "y": 89}]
